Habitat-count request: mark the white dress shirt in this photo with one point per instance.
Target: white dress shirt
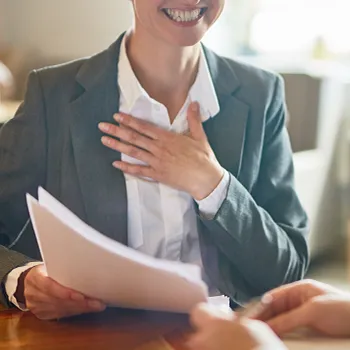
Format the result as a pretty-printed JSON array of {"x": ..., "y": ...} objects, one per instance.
[{"x": 162, "y": 221}]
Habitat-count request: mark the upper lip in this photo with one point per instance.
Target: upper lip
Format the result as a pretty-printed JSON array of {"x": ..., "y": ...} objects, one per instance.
[{"x": 184, "y": 9}]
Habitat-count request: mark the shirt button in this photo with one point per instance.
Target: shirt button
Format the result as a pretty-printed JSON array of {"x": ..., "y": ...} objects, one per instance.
[{"x": 157, "y": 108}]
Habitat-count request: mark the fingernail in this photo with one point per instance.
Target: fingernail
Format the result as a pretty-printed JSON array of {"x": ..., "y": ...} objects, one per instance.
[
  {"x": 116, "y": 165},
  {"x": 194, "y": 106},
  {"x": 118, "y": 117},
  {"x": 103, "y": 126},
  {"x": 96, "y": 305},
  {"x": 105, "y": 140},
  {"x": 267, "y": 299}
]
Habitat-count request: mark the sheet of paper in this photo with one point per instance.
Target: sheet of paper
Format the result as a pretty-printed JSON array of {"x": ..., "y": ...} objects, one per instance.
[{"x": 79, "y": 257}]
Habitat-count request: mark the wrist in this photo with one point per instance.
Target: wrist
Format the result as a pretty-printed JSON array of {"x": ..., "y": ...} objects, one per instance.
[{"x": 209, "y": 184}]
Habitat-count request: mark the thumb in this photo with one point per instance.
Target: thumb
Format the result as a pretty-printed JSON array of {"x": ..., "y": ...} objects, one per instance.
[
  {"x": 203, "y": 313},
  {"x": 195, "y": 122},
  {"x": 291, "y": 320}
]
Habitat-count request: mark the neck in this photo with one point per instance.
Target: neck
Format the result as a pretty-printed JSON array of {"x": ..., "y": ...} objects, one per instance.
[{"x": 166, "y": 72}]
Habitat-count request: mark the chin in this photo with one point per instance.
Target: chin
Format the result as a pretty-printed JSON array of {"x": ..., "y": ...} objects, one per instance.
[
  {"x": 189, "y": 41},
  {"x": 189, "y": 38}
]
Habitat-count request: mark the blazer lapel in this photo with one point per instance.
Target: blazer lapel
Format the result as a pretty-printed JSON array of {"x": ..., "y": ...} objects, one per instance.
[
  {"x": 226, "y": 131},
  {"x": 103, "y": 187}
]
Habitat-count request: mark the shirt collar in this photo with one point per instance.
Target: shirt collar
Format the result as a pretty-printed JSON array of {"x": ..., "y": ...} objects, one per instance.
[
  {"x": 202, "y": 90},
  {"x": 130, "y": 87}
]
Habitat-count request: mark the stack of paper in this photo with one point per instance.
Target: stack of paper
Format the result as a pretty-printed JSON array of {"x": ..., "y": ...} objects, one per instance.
[{"x": 79, "y": 257}]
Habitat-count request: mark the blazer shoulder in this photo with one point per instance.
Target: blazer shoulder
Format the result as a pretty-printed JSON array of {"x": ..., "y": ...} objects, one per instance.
[
  {"x": 57, "y": 82},
  {"x": 62, "y": 78},
  {"x": 254, "y": 79},
  {"x": 85, "y": 71},
  {"x": 262, "y": 90}
]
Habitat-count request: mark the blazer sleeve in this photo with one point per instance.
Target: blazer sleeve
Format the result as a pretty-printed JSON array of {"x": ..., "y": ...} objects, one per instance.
[
  {"x": 22, "y": 170},
  {"x": 260, "y": 236}
]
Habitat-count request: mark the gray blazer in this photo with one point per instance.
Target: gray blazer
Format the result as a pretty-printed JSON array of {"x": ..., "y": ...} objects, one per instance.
[{"x": 257, "y": 240}]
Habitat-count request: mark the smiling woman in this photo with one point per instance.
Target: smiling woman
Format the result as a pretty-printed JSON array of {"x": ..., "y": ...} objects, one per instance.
[
  {"x": 164, "y": 146},
  {"x": 166, "y": 19}
]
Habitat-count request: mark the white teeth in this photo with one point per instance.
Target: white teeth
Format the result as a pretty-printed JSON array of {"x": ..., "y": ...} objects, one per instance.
[{"x": 183, "y": 16}]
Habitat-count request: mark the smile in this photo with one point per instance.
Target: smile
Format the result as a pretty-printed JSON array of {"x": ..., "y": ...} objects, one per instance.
[{"x": 185, "y": 16}]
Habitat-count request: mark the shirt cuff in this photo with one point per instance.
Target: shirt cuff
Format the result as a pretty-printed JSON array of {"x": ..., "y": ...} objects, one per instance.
[
  {"x": 12, "y": 282},
  {"x": 209, "y": 206}
]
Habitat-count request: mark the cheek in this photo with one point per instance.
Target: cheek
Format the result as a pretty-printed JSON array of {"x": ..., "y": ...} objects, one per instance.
[
  {"x": 146, "y": 10},
  {"x": 151, "y": 4},
  {"x": 217, "y": 8}
]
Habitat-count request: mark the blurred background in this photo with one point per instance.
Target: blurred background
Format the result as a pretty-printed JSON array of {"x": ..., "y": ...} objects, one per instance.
[{"x": 306, "y": 41}]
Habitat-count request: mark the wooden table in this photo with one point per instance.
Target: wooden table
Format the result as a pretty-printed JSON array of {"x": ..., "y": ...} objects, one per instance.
[
  {"x": 117, "y": 329},
  {"x": 114, "y": 329}
]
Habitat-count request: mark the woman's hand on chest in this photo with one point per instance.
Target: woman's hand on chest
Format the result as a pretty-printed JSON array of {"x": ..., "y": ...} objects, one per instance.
[{"x": 185, "y": 162}]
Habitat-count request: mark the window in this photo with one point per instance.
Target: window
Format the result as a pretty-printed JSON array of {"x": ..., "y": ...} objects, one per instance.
[{"x": 285, "y": 26}]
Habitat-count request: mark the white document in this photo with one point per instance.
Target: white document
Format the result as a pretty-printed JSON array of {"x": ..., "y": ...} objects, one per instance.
[{"x": 79, "y": 257}]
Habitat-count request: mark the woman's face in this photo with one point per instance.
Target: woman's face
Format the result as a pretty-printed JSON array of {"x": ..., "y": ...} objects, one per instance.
[{"x": 177, "y": 22}]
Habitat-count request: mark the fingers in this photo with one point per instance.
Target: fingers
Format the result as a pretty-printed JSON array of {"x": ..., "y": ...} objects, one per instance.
[
  {"x": 255, "y": 308},
  {"x": 136, "y": 170},
  {"x": 48, "y": 308},
  {"x": 41, "y": 282},
  {"x": 195, "y": 122},
  {"x": 283, "y": 299},
  {"x": 49, "y": 300},
  {"x": 204, "y": 313},
  {"x": 200, "y": 315},
  {"x": 291, "y": 320},
  {"x": 71, "y": 308},
  {"x": 130, "y": 136},
  {"x": 129, "y": 150},
  {"x": 57, "y": 309},
  {"x": 55, "y": 290},
  {"x": 140, "y": 126},
  {"x": 34, "y": 295}
]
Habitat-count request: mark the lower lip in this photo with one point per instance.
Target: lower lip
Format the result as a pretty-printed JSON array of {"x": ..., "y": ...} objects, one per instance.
[{"x": 185, "y": 24}]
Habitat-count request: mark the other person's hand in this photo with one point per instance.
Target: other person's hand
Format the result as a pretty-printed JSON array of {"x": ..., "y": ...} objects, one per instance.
[
  {"x": 185, "y": 162},
  {"x": 48, "y": 300},
  {"x": 218, "y": 330},
  {"x": 6, "y": 82},
  {"x": 309, "y": 304}
]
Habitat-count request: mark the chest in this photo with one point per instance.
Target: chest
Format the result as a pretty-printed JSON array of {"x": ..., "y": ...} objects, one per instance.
[
  {"x": 152, "y": 111},
  {"x": 156, "y": 211}
]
